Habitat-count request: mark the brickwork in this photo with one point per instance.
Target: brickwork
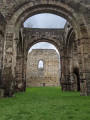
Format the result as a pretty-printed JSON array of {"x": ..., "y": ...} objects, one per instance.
[{"x": 49, "y": 75}]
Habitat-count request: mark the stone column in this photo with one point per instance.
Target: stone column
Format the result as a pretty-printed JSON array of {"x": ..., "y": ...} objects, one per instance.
[
  {"x": 84, "y": 61},
  {"x": 7, "y": 76},
  {"x": 62, "y": 79},
  {"x": 21, "y": 65},
  {"x": 1, "y": 65},
  {"x": 1, "y": 57},
  {"x": 19, "y": 74},
  {"x": 73, "y": 64},
  {"x": 66, "y": 85}
]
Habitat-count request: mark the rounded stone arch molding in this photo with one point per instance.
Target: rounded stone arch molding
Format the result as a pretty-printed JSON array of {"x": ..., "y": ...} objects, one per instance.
[
  {"x": 33, "y": 36},
  {"x": 35, "y": 41},
  {"x": 20, "y": 11},
  {"x": 71, "y": 40},
  {"x": 17, "y": 11}
]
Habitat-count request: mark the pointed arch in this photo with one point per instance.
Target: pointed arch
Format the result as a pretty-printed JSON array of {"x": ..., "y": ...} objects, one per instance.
[{"x": 40, "y": 64}]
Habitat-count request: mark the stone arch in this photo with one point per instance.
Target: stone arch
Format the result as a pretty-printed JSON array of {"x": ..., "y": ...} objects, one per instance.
[
  {"x": 21, "y": 60},
  {"x": 27, "y": 9},
  {"x": 71, "y": 10},
  {"x": 51, "y": 41}
]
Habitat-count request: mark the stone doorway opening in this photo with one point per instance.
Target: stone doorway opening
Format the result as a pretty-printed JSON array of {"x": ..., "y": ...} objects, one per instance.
[
  {"x": 48, "y": 72},
  {"x": 77, "y": 76},
  {"x": 46, "y": 25}
]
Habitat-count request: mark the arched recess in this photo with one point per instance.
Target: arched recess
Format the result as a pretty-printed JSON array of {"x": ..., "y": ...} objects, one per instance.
[
  {"x": 65, "y": 10},
  {"x": 71, "y": 61},
  {"x": 37, "y": 40},
  {"x": 23, "y": 60},
  {"x": 48, "y": 72},
  {"x": 76, "y": 78}
]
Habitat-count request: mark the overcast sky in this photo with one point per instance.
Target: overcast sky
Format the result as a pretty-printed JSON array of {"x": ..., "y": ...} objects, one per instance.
[
  {"x": 43, "y": 45},
  {"x": 45, "y": 20}
]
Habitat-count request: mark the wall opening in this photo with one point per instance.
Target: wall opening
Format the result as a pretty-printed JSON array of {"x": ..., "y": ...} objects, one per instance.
[
  {"x": 76, "y": 72},
  {"x": 40, "y": 64},
  {"x": 43, "y": 66},
  {"x": 45, "y": 21}
]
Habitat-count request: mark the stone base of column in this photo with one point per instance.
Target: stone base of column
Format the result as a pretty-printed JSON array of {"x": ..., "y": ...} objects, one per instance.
[
  {"x": 2, "y": 93},
  {"x": 83, "y": 88},
  {"x": 69, "y": 86},
  {"x": 88, "y": 87},
  {"x": 8, "y": 82},
  {"x": 66, "y": 87},
  {"x": 73, "y": 86},
  {"x": 20, "y": 86}
]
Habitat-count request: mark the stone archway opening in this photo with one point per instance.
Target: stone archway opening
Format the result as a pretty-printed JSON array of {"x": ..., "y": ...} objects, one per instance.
[
  {"x": 40, "y": 27},
  {"x": 16, "y": 45},
  {"x": 58, "y": 37},
  {"x": 77, "y": 76},
  {"x": 43, "y": 66}
]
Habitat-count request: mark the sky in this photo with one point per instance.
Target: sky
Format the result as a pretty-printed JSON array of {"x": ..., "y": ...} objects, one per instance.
[
  {"x": 43, "y": 45},
  {"x": 44, "y": 20}
]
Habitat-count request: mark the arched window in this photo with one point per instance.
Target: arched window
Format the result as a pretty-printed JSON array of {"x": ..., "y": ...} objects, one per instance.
[{"x": 40, "y": 64}]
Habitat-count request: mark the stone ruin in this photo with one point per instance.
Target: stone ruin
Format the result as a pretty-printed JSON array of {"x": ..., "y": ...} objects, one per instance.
[{"x": 73, "y": 42}]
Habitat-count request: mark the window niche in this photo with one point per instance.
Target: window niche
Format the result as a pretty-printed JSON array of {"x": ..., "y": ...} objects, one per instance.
[{"x": 40, "y": 64}]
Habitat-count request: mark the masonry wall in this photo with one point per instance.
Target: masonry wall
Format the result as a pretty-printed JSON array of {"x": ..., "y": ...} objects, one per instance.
[{"x": 49, "y": 75}]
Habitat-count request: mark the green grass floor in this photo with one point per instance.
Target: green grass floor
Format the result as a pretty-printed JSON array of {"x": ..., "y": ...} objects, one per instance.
[{"x": 45, "y": 104}]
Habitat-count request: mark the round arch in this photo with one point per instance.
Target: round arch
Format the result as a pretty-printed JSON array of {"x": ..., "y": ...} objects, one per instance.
[
  {"x": 35, "y": 41},
  {"x": 29, "y": 9},
  {"x": 66, "y": 9}
]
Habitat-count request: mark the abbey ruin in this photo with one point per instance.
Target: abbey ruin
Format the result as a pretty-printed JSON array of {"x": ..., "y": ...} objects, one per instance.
[
  {"x": 43, "y": 68},
  {"x": 72, "y": 42}
]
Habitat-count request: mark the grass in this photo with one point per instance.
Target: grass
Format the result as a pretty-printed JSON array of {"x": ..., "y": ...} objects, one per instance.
[{"x": 45, "y": 104}]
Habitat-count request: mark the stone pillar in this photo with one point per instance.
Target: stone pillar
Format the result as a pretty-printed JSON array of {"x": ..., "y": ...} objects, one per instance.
[
  {"x": 66, "y": 85},
  {"x": 62, "y": 58},
  {"x": 1, "y": 57},
  {"x": 24, "y": 71},
  {"x": 73, "y": 65},
  {"x": 21, "y": 65},
  {"x": 62, "y": 64},
  {"x": 84, "y": 61},
  {"x": 1, "y": 64},
  {"x": 7, "y": 77},
  {"x": 19, "y": 74}
]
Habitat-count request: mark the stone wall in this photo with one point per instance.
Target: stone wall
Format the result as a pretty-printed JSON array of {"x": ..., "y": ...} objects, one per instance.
[
  {"x": 15, "y": 41},
  {"x": 49, "y": 74}
]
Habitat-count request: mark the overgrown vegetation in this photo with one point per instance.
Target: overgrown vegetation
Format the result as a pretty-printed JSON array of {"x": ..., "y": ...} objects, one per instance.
[{"x": 45, "y": 104}]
